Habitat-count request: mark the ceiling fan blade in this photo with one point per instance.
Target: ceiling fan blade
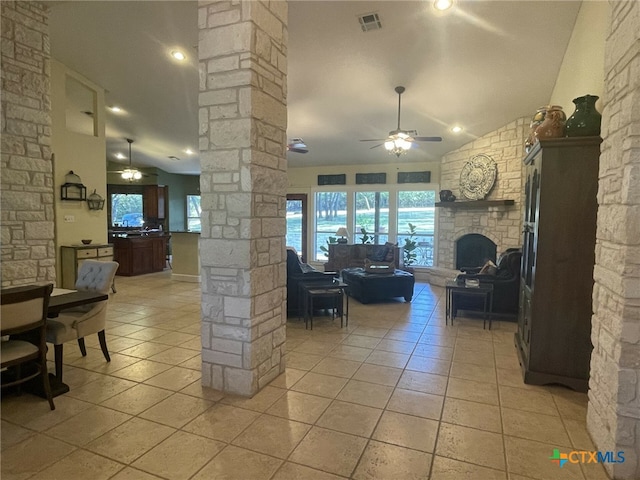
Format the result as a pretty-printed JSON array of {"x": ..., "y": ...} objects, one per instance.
[
  {"x": 374, "y": 140},
  {"x": 298, "y": 150},
  {"x": 427, "y": 139},
  {"x": 376, "y": 146}
]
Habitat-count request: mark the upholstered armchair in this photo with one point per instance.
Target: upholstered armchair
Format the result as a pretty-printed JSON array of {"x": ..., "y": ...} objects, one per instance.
[
  {"x": 505, "y": 278},
  {"x": 76, "y": 323},
  {"x": 298, "y": 272}
]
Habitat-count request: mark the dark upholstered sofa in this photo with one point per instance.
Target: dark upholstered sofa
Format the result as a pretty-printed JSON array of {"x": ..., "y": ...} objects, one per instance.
[
  {"x": 298, "y": 272},
  {"x": 505, "y": 281}
]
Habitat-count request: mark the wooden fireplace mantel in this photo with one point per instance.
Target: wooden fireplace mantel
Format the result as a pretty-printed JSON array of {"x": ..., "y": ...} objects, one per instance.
[{"x": 476, "y": 204}]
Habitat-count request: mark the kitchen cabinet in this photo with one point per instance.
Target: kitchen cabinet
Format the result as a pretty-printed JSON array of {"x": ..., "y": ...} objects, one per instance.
[
  {"x": 140, "y": 254},
  {"x": 72, "y": 256},
  {"x": 558, "y": 255},
  {"x": 154, "y": 203}
]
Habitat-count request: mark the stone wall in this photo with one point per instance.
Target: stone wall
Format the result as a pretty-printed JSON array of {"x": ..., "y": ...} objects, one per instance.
[
  {"x": 500, "y": 224},
  {"x": 613, "y": 416},
  {"x": 243, "y": 121},
  {"x": 28, "y": 249}
]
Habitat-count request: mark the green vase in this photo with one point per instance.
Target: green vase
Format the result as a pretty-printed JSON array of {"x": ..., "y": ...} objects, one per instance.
[{"x": 585, "y": 121}]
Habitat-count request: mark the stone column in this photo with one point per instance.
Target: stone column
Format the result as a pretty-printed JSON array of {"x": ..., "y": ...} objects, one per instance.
[
  {"x": 613, "y": 415},
  {"x": 243, "y": 120},
  {"x": 28, "y": 248}
]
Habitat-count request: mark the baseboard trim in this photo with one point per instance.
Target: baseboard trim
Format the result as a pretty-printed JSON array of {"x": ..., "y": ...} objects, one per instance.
[{"x": 180, "y": 277}]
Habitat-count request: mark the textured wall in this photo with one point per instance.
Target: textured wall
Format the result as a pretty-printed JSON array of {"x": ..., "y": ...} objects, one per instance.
[
  {"x": 28, "y": 250},
  {"x": 500, "y": 224},
  {"x": 613, "y": 416},
  {"x": 243, "y": 121}
]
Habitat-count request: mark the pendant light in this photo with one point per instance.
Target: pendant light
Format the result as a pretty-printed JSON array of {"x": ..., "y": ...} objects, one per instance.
[{"x": 131, "y": 173}]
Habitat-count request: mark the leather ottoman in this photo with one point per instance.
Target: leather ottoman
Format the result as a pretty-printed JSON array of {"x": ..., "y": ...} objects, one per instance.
[{"x": 370, "y": 287}]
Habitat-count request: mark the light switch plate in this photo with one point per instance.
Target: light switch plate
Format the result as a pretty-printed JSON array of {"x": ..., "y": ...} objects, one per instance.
[{"x": 69, "y": 218}]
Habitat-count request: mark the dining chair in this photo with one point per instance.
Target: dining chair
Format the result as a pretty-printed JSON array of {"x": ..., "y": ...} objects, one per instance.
[
  {"x": 78, "y": 322},
  {"x": 24, "y": 317}
]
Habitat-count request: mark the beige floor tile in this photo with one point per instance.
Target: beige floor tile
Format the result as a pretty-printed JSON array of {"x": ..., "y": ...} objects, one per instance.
[
  {"x": 534, "y": 426},
  {"x": 337, "y": 367},
  {"x": 371, "y": 332},
  {"x": 513, "y": 378},
  {"x": 129, "y": 473},
  {"x": 350, "y": 418},
  {"x": 363, "y": 341},
  {"x": 423, "y": 382},
  {"x": 272, "y": 436},
  {"x": 222, "y": 422},
  {"x": 299, "y": 406},
  {"x": 407, "y": 431},
  {"x": 77, "y": 377},
  {"x": 197, "y": 390},
  {"x": 416, "y": 403},
  {"x": 570, "y": 404},
  {"x": 136, "y": 399},
  {"x": 318, "y": 384},
  {"x": 302, "y": 361},
  {"x": 96, "y": 362},
  {"x": 194, "y": 363},
  {"x": 147, "y": 334},
  {"x": 471, "y": 390},
  {"x": 88, "y": 425},
  {"x": 329, "y": 451},
  {"x": 292, "y": 471},
  {"x": 349, "y": 352},
  {"x": 531, "y": 459},
  {"x": 174, "y": 338},
  {"x": 578, "y": 434},
  {"x": 101, "y": 389},
  {"x": 177, "y": 410},
  {"x": 37, "y": 452},
  {"x": 472, "y": 414},
  {"x": 124, "y": 329},
  {"x": 288, "y": 378},
  {"x": 471, "y": 445},
  {"x": 34, "y": 413},
  {"x": 396, "y": 346},
  {"x": 429, "y": 365},
  {"x": 365, "y": 393},
  {"x": 439, "y": 340},
  {"x": 173, "y": 356},
  {"x": 404, "y": 335},
  {"x": 387, "y": 359},
  {"x": 482, "y": 358},
  {"x": 176, "y": 378},
  {"x": 382, "y": 461},
  {"x": 434, "y": 351},
  {"x": 315, "y": 348},
  {"x": 235, "y": 463},
  {"x": 179, "y": 456},
  {"x": 79, "y": 466},
  {"x": 142, "y": 370},
  {"x": 12, "y": 434},
  {"x": 130, "y": 440},
  {"x": 476, "y": 373},
  {"x": 260, "y": 402},
  {"x": 594, "y": 471},
  {"x": 537, "y": 401},
  {"x": 449, "y": 469},
  {"x": 378, "y": 374},
  {"x": 145, "y": 350}
]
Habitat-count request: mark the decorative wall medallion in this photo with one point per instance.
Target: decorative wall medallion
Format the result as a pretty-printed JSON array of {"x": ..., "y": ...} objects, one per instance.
[{"x": 478, "y": 176}]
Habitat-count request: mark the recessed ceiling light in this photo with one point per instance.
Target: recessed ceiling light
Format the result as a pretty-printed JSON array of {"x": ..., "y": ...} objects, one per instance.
[
  {"x": 178, "y": 55},
  {"x": 120, "y": 156},
  {"x": 442, "y": 5},
  {"x": 456, "y": 129},
  {"x": 115, "y": 109},
  {"x": 188, "y": 151}
]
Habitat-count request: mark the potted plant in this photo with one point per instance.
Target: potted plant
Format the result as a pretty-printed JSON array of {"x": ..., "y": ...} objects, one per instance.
[
  {"x": 365, "y": 238},
  {"x": 409, "y": 249},
  {"x": 325, "y": 248}
]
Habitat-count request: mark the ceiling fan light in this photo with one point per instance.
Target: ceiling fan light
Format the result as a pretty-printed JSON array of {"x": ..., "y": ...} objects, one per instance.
[
  {"x": 137, "y": 175},
  {"x": 403, "y": 144},
  {"x": 442, "y": 5},
  {"x": 389, "y": 145},
  {"x": 127, "y": 174}
]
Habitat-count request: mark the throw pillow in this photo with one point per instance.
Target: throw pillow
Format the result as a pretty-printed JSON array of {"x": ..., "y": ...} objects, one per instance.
[
  {"x": 391, "y": 248},
  {"x": 379, "y": 254},
  {"x": 488, "y": 268}
]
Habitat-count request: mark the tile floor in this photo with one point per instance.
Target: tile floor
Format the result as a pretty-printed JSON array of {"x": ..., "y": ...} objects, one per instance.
[{"x": 396, "y": 395}]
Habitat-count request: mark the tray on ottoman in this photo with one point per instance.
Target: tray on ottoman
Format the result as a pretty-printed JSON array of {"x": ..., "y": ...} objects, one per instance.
[{"x": 370, "y": 287}]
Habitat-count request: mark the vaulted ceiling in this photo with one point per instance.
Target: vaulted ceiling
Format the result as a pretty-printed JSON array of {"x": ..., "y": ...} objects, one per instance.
[{"x": 480, "y": 65}]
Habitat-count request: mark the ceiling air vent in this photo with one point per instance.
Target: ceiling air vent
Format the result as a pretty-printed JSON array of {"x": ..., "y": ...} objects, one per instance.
[{"x": 370, "y": 21}]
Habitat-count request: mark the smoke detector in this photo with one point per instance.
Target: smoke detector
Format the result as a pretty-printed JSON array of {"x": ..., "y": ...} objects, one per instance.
[{"x": 369, "y": 21}]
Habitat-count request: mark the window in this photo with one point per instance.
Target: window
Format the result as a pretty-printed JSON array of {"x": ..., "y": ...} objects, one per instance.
[
  {"x": 194, "y": 211},
  {"x": 372, "y": 215},
  {"x": 418, "y": 209},
  {"x": 126, "y": 210},
  {"x": 330, "y": 214}
]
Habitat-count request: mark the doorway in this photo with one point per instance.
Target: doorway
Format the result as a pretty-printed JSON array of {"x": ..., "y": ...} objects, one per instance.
[{"x": 297, "y": 223}]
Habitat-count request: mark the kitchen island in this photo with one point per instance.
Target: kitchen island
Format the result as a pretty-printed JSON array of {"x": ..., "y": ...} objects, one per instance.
[{"x": 140, "y": 253}]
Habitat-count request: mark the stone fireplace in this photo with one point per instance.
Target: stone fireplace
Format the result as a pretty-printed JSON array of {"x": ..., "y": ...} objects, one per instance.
[{"x": 473, "y": 250}]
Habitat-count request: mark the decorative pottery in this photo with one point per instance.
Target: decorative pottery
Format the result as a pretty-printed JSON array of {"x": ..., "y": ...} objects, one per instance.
[
  {"x": 478, "y": 176},
  {"x": 447, "y": 196},
  {"x": 536, "y": 121},
  {"x": 86, "y": 241},
  {"x": 585, "y": 121},
  {"x": 553, "y": 124}
]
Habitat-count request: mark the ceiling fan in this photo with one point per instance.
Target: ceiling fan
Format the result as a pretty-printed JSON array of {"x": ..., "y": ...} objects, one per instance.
[
  {"x": 400, "y": 141},
  {"x": 297, "y": 145},
  {"x": 131, "y": 174}
]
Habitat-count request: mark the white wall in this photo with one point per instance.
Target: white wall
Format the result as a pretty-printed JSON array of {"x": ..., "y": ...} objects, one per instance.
[{"x": 86, "y": 156}]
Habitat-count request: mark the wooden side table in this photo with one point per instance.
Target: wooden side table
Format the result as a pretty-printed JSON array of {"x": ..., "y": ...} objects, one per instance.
[
  {"x": 336, "y": 291},
  {"x": 484, "y": 290}
]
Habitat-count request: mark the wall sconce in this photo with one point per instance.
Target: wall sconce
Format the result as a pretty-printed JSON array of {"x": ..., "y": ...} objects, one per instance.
[
  {"x": 95, "y": 201},
  {"x": 73, "y": 189}
]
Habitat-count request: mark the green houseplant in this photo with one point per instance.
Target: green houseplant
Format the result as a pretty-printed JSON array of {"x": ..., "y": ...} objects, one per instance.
[
  {"x": 365, "y": 238},
  {"x": 325, "y": 248},
  {"x": 410, "y": 246}
]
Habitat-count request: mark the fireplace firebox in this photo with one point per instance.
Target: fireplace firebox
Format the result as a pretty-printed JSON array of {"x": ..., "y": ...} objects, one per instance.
[{"x": 473, "y": 250}]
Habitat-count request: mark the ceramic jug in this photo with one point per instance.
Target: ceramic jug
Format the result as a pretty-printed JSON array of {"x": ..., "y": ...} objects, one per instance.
[
  {"x": 553, "y": 124},
  {"x": 586, "y": 120}
]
